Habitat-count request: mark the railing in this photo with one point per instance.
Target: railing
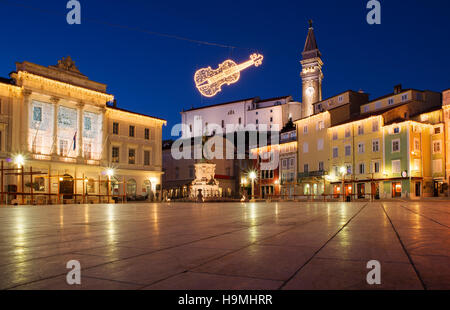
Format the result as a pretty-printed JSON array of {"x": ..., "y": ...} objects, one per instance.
[{"x": 312, "y": 174}]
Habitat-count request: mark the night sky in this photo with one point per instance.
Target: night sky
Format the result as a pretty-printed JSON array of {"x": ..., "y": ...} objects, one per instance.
[{"x": 154, "y": 75}]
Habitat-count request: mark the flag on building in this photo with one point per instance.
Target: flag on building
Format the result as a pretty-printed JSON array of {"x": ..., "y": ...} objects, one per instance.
[{"x": 75, "y": 141}]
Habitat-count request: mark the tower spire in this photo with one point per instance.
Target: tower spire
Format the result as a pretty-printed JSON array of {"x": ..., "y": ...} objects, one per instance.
[
  {"x": 311, "y": 74},
  {"x": 311, "y": 49}
]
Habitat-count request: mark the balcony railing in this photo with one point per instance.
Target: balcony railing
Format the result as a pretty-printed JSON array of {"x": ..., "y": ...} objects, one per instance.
[{"x": 311, "y": 174}]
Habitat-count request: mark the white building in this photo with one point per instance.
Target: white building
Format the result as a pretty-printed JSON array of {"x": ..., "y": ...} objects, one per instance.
[{"x": 274, "y": 113}]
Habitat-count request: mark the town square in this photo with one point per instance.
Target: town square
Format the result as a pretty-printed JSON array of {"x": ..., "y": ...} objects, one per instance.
[
  {"x": 246, "y": 146},
  {"x": 236, "y": 246}
]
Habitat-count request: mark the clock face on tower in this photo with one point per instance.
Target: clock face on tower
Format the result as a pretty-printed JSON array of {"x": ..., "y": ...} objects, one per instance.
[{"x": 310, "y": 91}]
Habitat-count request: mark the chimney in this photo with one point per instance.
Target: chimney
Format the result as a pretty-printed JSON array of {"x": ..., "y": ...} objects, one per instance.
[{"x": 397, "y": 89}]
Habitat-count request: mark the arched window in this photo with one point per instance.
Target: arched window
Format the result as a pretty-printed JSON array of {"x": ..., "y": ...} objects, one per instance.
[
  {"x": 90, "y": 186},
  {"x": 115, "y": 185},
  {"x": 131, "y": 187}
]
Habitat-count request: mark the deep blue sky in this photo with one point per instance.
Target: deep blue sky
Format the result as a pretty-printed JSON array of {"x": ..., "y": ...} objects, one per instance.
[{"x": 154, "y": 75}]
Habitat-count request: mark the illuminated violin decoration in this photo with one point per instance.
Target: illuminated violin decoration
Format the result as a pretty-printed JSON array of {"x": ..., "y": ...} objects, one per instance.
[{"x": 209, "y": 82}]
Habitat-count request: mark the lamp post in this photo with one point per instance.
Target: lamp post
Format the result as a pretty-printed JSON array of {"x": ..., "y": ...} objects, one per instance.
[
  {"x": 19, "y": 160},
  {"x": 252, "y": 176},
  {"x": 343, "y": 171},
  {"x": 109, "y": 173}
]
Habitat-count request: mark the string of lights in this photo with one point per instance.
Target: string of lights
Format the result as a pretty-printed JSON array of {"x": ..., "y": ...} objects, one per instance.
[{"x": 131, "y": 28}]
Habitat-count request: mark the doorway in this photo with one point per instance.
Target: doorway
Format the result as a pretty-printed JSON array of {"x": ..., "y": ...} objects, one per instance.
[
  {"x": 418, "y": 189},
  {"x": 396, "y": 189},
  {"x": 66, "y": 186},
  {"x": 361, "y": 188}
]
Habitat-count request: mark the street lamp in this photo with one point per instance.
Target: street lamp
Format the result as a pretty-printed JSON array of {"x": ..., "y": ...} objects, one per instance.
[
  {"x": 109, "y": 173},
  {"x": 19, "y": 160},
  {"x": 252, "y": 176},
  {"x": 343, "y": 171}
]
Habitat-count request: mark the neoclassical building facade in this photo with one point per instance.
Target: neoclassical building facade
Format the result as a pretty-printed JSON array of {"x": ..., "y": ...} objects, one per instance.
[{"x": 70, "y": 137}]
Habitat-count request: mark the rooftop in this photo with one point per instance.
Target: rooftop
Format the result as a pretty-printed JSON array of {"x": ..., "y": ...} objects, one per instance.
[
  {"x": 128, "y": 111},
  {"x": 254, "y": 99}
]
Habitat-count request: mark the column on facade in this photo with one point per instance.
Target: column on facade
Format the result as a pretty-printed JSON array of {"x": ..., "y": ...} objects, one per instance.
[
  {"x": 105, "y": 136},
  {"x": 55, "y": 102},
  {"x": 80, "y": 108},
  {"x": 26, "y": 121}
]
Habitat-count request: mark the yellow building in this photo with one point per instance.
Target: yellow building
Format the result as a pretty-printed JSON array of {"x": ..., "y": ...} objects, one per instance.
[
  {"x": 446, "y": 115},
  {"x": 59, "y": 123},
  {"x": 313, "y": 153},
  {"x": 357, "y": 146}
]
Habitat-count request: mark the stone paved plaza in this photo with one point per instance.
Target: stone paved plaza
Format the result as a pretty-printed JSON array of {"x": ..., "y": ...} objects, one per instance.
[{"x": 227, "y": 246}]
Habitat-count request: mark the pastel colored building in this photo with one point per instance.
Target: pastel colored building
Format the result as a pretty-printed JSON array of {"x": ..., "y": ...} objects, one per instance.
[
  {"x": 288, "y": 162},
  {"x": 313, "y": 154},
  {"x": 391, "y": 149},
  {"x": 446, "y": 114},
  {"x": 67, "y": 129}
]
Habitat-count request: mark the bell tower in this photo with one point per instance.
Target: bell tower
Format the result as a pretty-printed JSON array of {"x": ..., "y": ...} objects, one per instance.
[{"x": 311, "y": 74}]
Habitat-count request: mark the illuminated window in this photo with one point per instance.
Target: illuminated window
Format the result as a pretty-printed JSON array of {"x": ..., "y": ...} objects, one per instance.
[
  {"x": 115, "y": 154},
  {"x": 395, "y": 145},
  {"x": 131, "y": 131},
  {"x": 131, "y": 156},
  {"x": 115, "y": 128}
]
